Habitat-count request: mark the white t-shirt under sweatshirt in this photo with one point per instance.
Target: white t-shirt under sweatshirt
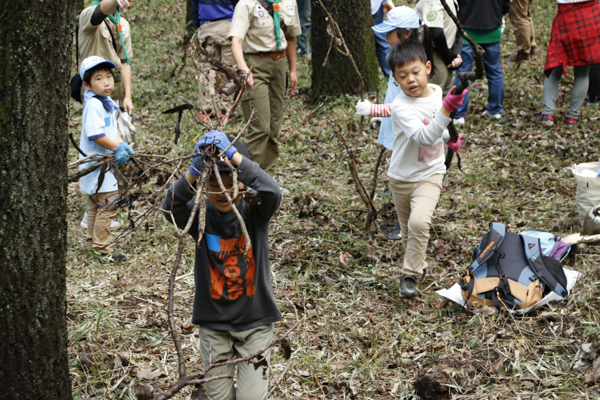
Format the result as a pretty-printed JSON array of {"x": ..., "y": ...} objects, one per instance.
[{"x": 419, "y": 135}]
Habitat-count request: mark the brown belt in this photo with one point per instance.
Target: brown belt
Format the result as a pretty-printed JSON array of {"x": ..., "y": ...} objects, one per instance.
[{"x": 270, "y": 54}]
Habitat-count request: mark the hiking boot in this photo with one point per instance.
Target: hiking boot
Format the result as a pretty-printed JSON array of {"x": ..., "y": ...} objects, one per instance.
[
  {"x": 459, "y": 121},
  {"x": 408, "y": 286},
  {"x": 532, "y": 51},
  {"x": 395, "y": 233},
  {"x": 548, "y": 120},
  {"x": 487, "y": 114},
  {"x": 113, "y": 257},
  {"x": 570, "y": 122},
  {"x": 520, "y": 56},
  {"x": 206, "y": 116}
]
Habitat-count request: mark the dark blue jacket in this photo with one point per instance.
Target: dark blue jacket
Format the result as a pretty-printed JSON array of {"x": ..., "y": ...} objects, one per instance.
[
  {"x": 212, "y": 10},
  {"x": 482, "y": 15}
]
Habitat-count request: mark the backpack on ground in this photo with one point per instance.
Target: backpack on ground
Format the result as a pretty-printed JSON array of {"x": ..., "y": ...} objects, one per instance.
[{"x": 510, "y": 271}]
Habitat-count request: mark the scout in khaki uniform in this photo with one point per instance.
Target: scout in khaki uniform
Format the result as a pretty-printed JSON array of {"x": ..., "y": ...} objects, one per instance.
[
  {"x": 257, "y": 39},
  {"x": 99, "y": 35}
]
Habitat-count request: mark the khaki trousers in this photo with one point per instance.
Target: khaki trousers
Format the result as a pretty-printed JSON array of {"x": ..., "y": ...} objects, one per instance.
[
  {"x": 520, "y": 18},
  {"x": 213, "y": 36},
  {"x": 415, "y": 204},
  {"x": 266, "y": 97},
  {"x": 99, "y": 219},
  {"x": 443, "y": 76},
  {"x": 219, "y": 345}
]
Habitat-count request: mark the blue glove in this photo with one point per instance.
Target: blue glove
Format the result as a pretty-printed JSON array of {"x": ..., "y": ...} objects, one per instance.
[
  {"x": 219, "y": 139},
  {"x": 122, "y": 153}
]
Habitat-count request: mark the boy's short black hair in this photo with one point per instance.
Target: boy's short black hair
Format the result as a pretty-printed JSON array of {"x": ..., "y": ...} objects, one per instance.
[
  {"x": 406, "y": 52},
  {"x": 87, "y": 77}
]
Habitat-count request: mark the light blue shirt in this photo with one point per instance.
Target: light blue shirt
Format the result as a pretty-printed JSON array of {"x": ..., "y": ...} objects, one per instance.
[
  {"x": 386, "y": 135},
  {"x": 97, "y": 122}
]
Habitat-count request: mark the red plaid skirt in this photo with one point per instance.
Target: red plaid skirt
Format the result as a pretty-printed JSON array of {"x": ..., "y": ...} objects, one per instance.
[{"x": 575, "y": 36}]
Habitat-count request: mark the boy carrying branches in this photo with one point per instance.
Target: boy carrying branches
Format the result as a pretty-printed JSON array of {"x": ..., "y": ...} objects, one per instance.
[{"x": 234, "y": 303}]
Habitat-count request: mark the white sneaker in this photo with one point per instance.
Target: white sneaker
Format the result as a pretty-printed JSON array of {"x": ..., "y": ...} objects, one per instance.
[
  {"x": 494, "y": 116},
  {"x": 114, "y": 224},
  {"x": 459, "y": 121}
]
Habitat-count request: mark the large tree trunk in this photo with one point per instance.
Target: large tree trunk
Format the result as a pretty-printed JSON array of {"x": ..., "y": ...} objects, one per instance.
[
  {"x": 338, "y": 76},
  {"x": 35, "y": 58}
]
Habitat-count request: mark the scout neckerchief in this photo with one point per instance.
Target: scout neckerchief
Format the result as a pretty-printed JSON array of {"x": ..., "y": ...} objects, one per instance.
[
  {"x": 107, "y": 102},
  {"x": 117, "y": 21},
  {"x": 276, "y": 19}
]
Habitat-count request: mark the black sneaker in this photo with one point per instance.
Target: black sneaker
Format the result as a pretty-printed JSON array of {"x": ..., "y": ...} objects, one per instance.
[
  {"x": 408, "y": 286},
  {"x": 395, "y": 233},
  {"x": 108, "y": 257}
]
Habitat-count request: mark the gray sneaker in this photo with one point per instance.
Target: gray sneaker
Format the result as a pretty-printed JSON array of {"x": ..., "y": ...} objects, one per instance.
[
  {"x": 408, "y": 286},
  {"x": 489, "y": 115}
]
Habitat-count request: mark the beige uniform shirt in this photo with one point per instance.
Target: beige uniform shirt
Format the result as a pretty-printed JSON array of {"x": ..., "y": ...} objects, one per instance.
[
  {"x": 97, "y": 41},
  {"x": 433, "y": 14},
  {"x": 255, "y": 25}
]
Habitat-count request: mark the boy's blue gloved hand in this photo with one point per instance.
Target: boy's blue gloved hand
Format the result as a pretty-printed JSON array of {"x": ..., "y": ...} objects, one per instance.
[
  {"x": 219, "y": 139},
  {"x": 122, "y": 153}
]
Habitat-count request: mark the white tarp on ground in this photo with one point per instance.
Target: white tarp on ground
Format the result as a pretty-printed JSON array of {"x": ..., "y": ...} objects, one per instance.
[{"x": 454, "y": 293}]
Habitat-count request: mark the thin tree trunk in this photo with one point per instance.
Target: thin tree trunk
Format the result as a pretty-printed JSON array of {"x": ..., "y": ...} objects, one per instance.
[
  {"x": 338, "y": 76},
  {"x": 35, "y": 59}
]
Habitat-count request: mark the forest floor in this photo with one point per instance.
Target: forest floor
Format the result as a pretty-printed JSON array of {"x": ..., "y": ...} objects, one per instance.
[{"x": 359, "y": 339}]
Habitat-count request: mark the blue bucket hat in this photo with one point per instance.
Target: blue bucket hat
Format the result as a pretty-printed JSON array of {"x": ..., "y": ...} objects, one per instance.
[{"x": 398, "y": 17}]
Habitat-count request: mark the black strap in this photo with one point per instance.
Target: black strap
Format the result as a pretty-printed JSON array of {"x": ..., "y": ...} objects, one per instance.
[
  {"x": 495, "y": 296},
  {"x": 503, "y": 285},
  {"x": 112, "y": 37},
  {"x": 469, "y": 286},
  {"x": 77, "y": 43}
]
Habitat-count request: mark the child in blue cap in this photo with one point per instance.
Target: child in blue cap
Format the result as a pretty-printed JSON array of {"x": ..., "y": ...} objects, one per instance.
[{"x": 99, "y": 134}]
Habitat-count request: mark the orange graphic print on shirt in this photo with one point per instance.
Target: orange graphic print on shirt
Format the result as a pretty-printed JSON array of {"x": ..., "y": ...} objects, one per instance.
[{"x": 231, "y": 272}]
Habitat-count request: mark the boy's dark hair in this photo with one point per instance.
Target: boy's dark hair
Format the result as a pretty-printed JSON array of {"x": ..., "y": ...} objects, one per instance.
[
  {"x": 408, "y": 51},
  {"x": 427, "y": 44},
  {"x": 87, "y": 77}
]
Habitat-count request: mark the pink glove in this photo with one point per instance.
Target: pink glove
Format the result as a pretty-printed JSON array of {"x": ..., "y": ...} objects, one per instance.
[
  {"x": 453, "y": 101},
  {"x": 455, "y": 146}
]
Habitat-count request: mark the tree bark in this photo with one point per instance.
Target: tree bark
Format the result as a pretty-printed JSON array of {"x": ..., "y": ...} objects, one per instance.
[
  {"x": 190, "y": 24},
  {"x": 35, "y": 59},
  {"x": 338, "y": 75}
]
